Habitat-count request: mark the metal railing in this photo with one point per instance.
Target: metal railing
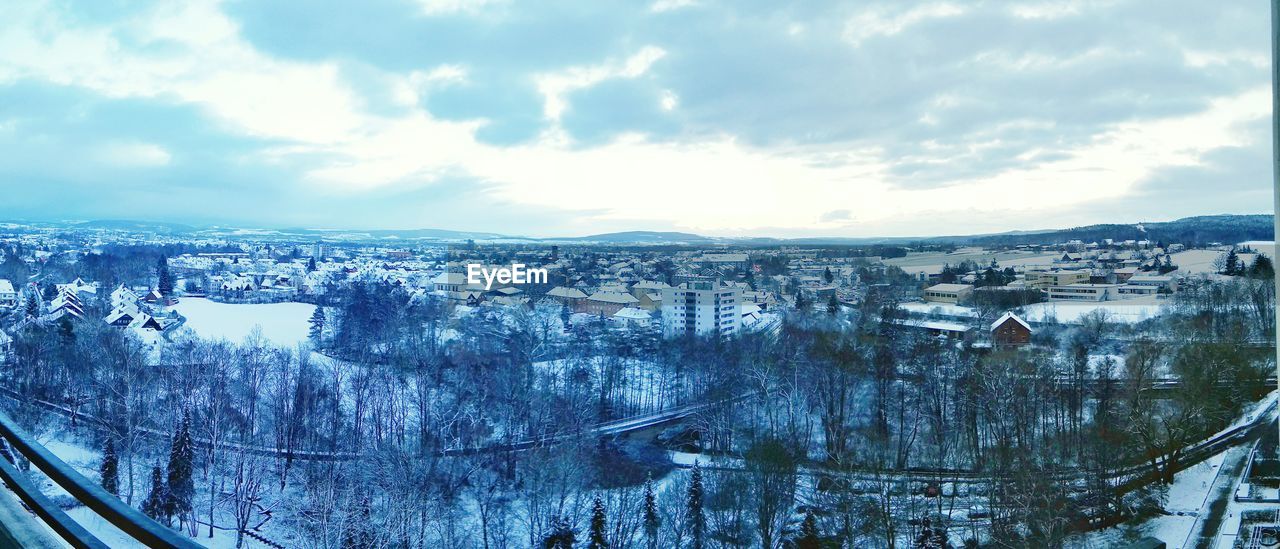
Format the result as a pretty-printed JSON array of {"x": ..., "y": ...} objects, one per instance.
[{"x": 129, "y": 520}]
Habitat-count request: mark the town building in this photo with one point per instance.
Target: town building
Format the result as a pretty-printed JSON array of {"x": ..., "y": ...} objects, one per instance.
[
  {"x": 947, "y": 293},
  {"x": 1010, "y": 331},
  {"x": 1084, "y": 292},
  {"x": 701, "y": 307},
  {"x": 1043, "y": 279},
  {"x": 8, "y": 296}
]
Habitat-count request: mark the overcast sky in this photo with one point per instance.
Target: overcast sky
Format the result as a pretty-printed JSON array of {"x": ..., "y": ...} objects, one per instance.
[{"x": 733, "y": 117}]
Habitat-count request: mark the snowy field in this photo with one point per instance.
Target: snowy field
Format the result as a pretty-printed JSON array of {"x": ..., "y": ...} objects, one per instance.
[
  {"x": 282, "y": 324},
  {"x": 1201, "y": 261},
  {"x": 1070, "y": 312}
]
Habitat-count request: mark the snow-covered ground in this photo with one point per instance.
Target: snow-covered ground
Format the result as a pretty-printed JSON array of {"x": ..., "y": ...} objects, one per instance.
[
  {"x": 283, "y": 324},
  {"x": 1068, "y": 312}
]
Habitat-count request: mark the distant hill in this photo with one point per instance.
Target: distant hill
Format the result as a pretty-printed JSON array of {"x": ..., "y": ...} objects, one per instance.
[
  {"x": 130, "y": 225},
  {"x": 643, "y": 237},
  {"x": 1203, "y": 229}
]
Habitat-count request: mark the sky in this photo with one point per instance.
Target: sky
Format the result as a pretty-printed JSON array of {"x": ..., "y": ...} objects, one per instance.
[{"x": 728, "y": 118}]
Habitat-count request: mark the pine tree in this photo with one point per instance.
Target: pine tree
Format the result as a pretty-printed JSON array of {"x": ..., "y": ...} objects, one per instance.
[
  {"x": 165, "y": 280},
  {"x": 561, "y": 535},
  {"x": 833, "y": 305},
  {"x": 49, "y": 293},
  {"x": 317, "y": 325},
  {"x": 311, "y": 265},
  {"x": 827, "y": 276},
  {"x": 1232, "y": 263},
  {"x": 597, "y": 539},
  {"x": 181, "y": 486},
  {"x": 33, "y": 304},
  {"x": 802, "y": 303},
  {"x": 110, "y": 468},
  {"x": 154, "y": 506},
  {"x": 651, "y": 520},
  {"x": 809, "y": 537},
  {"x": 1262, "y": 268},
  {"x": 696, "y": 517}
]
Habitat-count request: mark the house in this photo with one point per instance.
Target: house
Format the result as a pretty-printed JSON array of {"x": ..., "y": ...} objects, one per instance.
[
  {"x": 8, "y": 296},
  {"x": 122, "y": 316},
  {"x": 570, "y": 297},
  {"x": 632, "y": 317},
  {"x": 67, "y": 302},
  {"x": 449, "y": 282},
  {"x": 123, "y": 296},
  {"x": 646, "y": 287},
  {"x": 78, "y": 287},
  {"x": 608, "y": 303},
  {"x": 947, "y": 293},
  {"x": 1010, "y": 331},
  {"x": 146, "y": 322},
  {"x": 650, "y": 301}
]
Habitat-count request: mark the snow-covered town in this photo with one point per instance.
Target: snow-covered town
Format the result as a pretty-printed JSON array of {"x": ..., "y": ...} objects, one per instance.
[
  {"x": 655, "y": 274},
  {"x": 292, "y": 391}
]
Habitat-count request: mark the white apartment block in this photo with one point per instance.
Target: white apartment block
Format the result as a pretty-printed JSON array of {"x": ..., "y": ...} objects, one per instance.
[{"x": 701, "y": 307}]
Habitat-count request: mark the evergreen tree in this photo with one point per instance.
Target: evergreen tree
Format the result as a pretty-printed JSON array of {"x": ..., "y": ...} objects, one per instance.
[
  {"x": 651, "y": 519},
  {"x": 49, "y": 293},
  {"x": 1262, "y": 268},
  {"x": 311, "y": 265},
  {"x": 33, "y": 304},
  {"x": 109, "y": 471},
  {"x": 597, "y": 539},
  {"x": 833, "y": 305},
  {"x": 154, "y": 506},
  {"x": 696, "y": 517},
  {"x": 565, "y": 314},
  {"x": 561, "y": 535},
  {"x": 317, "y": 325},
  {"x": 809, "y": 537},
  {"x": 165, "y": 280},
  {"x": 802, "y": 302},
  {"x": 827, "y": 276},
  {"x": 1231, "y": 266},
  {"x": 181, "y": 486}
]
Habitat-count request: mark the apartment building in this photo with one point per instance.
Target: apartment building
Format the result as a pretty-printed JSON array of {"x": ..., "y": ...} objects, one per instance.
[{"x": 701, "y": 307}]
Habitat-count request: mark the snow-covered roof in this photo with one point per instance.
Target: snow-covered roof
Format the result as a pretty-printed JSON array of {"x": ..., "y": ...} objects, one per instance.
[
  {"x": 613, "y": 297},
  {"x": 1009, "y": 315},
  {"x": 631, "y": 313},
  {"x": 567, "y": 293}
]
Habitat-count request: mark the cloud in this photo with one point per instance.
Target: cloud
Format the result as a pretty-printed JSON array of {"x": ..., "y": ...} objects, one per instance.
[
  {"x": 874, "y": 118},
  {"x": 133, "y": 154}
]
